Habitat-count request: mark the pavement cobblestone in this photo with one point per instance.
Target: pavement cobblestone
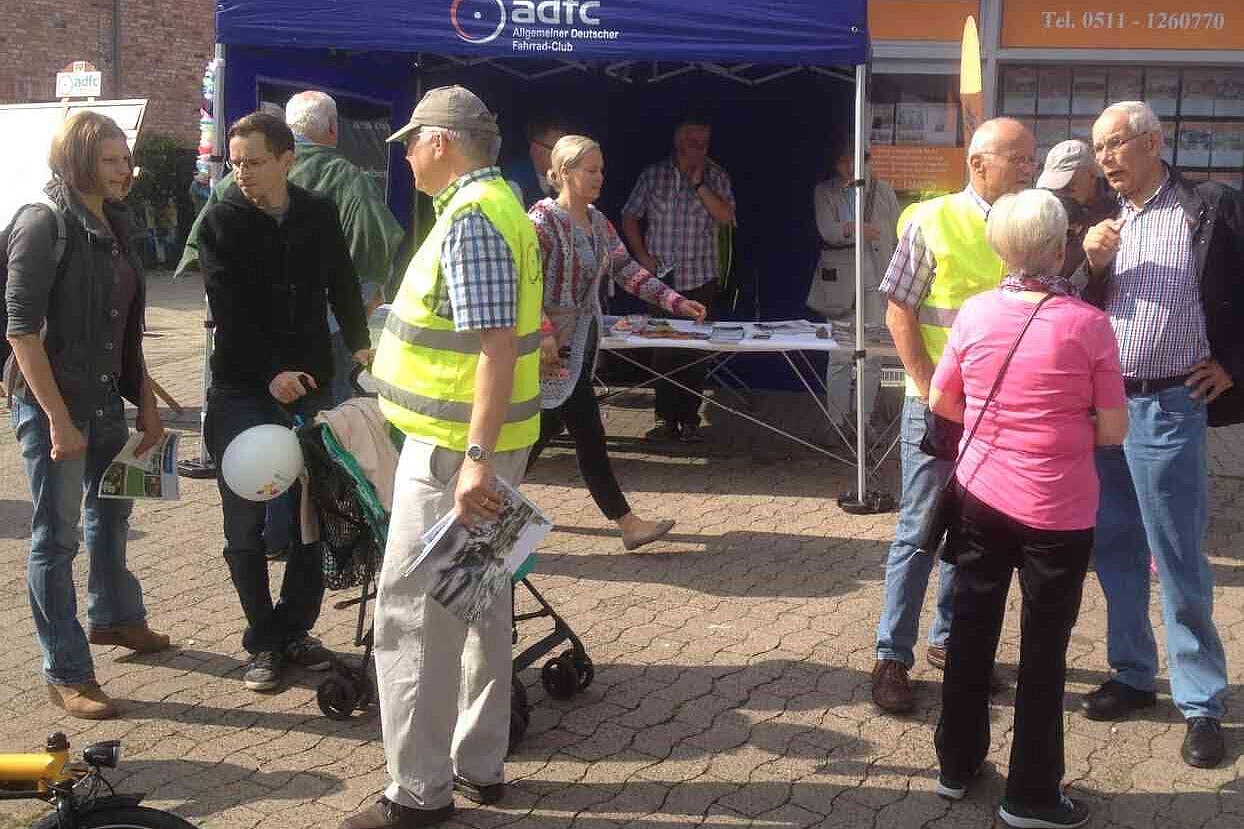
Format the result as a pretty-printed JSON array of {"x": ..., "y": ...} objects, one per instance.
[{"x": 732, "y": 659}]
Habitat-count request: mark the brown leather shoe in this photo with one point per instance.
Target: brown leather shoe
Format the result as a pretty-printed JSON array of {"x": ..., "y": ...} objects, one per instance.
[
  {"x": 385, "y": 814},
  {"x": 891, "y": 687},
  {"x": 86, "y": 701},
  {"x": 138, "y": 638}
]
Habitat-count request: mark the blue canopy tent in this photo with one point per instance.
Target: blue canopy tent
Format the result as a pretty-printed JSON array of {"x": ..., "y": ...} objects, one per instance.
[{"x": 389, "y": 50}]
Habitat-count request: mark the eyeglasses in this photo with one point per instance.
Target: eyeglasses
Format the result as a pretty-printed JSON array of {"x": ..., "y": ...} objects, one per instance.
[
  {"x": 1114, "y": 145},
  {"x": 247, "y": 163},
  {"x": 1017, "y": 160}
]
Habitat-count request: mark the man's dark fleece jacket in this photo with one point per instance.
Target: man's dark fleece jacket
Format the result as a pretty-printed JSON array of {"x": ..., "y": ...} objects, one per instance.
[{"x": 266, "y": 286}]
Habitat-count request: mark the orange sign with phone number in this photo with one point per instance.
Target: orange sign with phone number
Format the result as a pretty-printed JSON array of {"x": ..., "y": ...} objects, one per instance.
[{"x": 1123, "y": 24}]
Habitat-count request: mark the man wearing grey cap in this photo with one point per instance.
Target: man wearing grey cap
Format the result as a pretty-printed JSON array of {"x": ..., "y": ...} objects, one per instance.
[
  {"x": 1072, "y": 173},
  {"x": 457, "y": 371}
]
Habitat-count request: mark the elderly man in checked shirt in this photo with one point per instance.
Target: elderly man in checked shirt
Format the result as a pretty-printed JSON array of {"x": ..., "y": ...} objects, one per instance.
[
  {"x": 1168, "y": 273},
  {"x": 685, "y": 200},
  {"x": 923, "y": 290}
]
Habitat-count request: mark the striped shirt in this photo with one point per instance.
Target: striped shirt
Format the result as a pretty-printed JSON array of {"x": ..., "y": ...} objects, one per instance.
[
  {"x": 480, "y": 285},
  {"x": 1154, "y": 299},
  {"x": 913, "y": 267},
  {"x": 681, "y": 232}
]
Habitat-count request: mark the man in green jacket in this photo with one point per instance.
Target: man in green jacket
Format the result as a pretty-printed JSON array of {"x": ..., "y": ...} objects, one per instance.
[{"x": 369, "y": 227}]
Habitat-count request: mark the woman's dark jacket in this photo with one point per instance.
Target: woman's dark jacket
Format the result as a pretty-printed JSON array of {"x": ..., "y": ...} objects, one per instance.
[
  {"x": 78, "y": 305},
  {"x": 266, "y": 284}
]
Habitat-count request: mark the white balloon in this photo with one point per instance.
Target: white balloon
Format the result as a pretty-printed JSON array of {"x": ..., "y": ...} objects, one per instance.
[{"x": 262, "y": 462}]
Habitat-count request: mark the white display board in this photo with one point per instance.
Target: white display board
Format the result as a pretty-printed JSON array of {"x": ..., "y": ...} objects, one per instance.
[{"x": 26, "y": 132}]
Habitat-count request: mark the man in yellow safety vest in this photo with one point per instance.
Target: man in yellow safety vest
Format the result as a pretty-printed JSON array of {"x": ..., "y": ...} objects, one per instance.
[
  {"x": 942, "y": 259},
  {"x": 457, "y": 370}
]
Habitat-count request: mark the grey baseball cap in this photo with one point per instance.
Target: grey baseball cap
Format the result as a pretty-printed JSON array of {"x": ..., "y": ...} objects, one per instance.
[
  {"x": 452, "y": 107},
  {"x": 1062, "y": 161}
]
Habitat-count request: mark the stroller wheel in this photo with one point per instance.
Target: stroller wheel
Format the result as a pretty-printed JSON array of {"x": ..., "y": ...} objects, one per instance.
[
  {"x": 560, "y": 677},
  {"x": 583, "y": 666},
  {"x": 337, "y": 695}
]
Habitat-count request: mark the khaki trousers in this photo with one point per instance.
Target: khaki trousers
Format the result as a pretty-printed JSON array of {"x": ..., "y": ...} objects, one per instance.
[{"x": 444, "y": 686}]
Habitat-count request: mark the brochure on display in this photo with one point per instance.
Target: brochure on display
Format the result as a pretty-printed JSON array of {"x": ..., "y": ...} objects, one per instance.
[
  {"x": 468, "y": 567},
  {"x": 152, "y": 475}
]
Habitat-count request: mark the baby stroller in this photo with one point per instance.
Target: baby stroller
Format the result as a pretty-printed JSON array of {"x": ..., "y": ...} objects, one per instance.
[{"x": 353, "y": 529}]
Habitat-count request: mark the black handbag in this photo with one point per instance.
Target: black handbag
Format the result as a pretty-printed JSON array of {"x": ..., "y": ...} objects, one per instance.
[{"x": 944, "y": 510}]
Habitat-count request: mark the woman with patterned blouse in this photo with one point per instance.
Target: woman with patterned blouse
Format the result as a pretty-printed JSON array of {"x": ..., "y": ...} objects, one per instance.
[{"x": 578, "y": 247}]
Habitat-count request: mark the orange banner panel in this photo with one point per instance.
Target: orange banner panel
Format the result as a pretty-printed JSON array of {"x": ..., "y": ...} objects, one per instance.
[
  {"x": 1123, "y": 24},
  {"x": 919, "y": 19},
  {"x": 919, "y": 169}
]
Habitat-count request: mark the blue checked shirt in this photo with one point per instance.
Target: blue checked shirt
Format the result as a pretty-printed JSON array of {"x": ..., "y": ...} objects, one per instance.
[
  {"x": 681, "y": 233},
  {"x": 480, "y": 284},
  {"x": 913, "y": 267},
  {"x": 1154, "y": 301}
]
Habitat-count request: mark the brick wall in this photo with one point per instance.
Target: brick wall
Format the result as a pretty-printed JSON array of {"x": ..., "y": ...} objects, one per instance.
[{"x": 165, "y": 45}]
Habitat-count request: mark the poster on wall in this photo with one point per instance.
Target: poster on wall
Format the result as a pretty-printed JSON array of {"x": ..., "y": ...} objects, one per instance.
[
  {"x": 1200, "y": 89},
  {"x": 1196, "y": 143},
  {"x": 909, "y": 120},
  {"x": 1019, "y": 91},
  {"x": 1229, "y": 100},
  {"x": 1162, "y": 90},
  {"x": 1126, "y": 84},
  {"x": 1049, "y": 132},
  {"x": 1168, "y": 142},
  {"x": 924, "y": 170},
  {"x": 941, "y": 124},
  {"x": 1053, "y": 91},
  {"x": 1228, "y": 146},
  {"x": 1088, "y": 92},
  {"x": 883, "y": 124}
]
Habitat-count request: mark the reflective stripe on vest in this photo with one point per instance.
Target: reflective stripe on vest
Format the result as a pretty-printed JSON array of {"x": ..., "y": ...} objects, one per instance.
[
  {"x": 425, "y": 370},
  {"x": 459, "y": 342}
]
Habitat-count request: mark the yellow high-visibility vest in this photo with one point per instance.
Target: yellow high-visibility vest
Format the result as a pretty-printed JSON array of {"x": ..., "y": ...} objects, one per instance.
[
  {"x": 425, "y": 370},
  {"x": 953, "y": 230}
]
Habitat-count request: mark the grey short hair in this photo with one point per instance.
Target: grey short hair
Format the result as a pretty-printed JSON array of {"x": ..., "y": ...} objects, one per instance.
[
  {"x": 1140, "y": 116},
  {"x": 311, "y": 113},
  {"x": 1028, "y": 231},
  {"x": 985, "y": 138},
  {"x": 477, "y": 147}
]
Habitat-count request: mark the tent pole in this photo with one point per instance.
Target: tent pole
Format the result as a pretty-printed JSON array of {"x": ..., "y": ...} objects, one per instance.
[
  {"x": 861, "y": 501},
  {"x": 202, "y": 466},
  {"x": 861, "y": 420}
]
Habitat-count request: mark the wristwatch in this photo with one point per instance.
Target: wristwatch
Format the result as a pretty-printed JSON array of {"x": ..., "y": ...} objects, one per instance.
[{"x": 477, "y": 453}]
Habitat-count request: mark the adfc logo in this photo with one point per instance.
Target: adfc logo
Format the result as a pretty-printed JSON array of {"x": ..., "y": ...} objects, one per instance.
[{"x": 477, "y": 21}]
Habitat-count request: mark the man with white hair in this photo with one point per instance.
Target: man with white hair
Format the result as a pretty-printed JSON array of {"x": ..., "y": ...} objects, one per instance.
[
  {"x": 1168, "y": 269},
  {"x": 369, "y": 227},
  {"x": 458, "y": 371},
  {"x": 941, "y": 261}
]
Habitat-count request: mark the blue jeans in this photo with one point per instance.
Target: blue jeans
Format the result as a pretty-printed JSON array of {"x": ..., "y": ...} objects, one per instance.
[
  {"x": 906, "y": 568},
  {"x": 1153, "y": 501},
  {"x": 57, "y": 491},
  {"x": 270, "y": 625}
]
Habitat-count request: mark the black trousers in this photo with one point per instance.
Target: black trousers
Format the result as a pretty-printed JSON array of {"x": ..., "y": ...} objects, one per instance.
[
  {"x": 674, "y": 405},
  {"x": 269, "y": 625},
  {"x": 1051, "y": 563},
  {"x": 580, "y": 415}
]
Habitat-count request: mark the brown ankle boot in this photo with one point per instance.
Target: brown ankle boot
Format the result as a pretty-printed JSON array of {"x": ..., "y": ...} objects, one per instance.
[
  {"x": 891, "y": 688},
  {"x": 86, "y": 701},
  {"x": 138, "y": 638}
]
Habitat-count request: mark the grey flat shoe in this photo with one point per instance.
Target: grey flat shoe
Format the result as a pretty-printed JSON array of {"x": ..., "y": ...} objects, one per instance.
[{"x": 658, "y": 531}]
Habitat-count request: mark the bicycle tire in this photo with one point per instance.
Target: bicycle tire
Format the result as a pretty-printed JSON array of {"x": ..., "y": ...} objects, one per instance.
[{"x": 121, "y": 817}]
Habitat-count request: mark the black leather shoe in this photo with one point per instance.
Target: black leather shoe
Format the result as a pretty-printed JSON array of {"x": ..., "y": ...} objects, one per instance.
[
  {"x": 1114, "y": 700},
  {"x": 1205, "y": 745},
  {"x": 385, "y": 814},
  {"x": 484, "y": 794}
]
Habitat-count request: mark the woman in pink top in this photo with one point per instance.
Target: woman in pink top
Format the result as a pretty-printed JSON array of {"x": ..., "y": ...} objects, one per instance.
[{"x": 1028, "y": 500}]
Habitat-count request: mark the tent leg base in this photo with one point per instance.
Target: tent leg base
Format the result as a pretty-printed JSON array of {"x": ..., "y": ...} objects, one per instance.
[{"x": 871, "y": 504}]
